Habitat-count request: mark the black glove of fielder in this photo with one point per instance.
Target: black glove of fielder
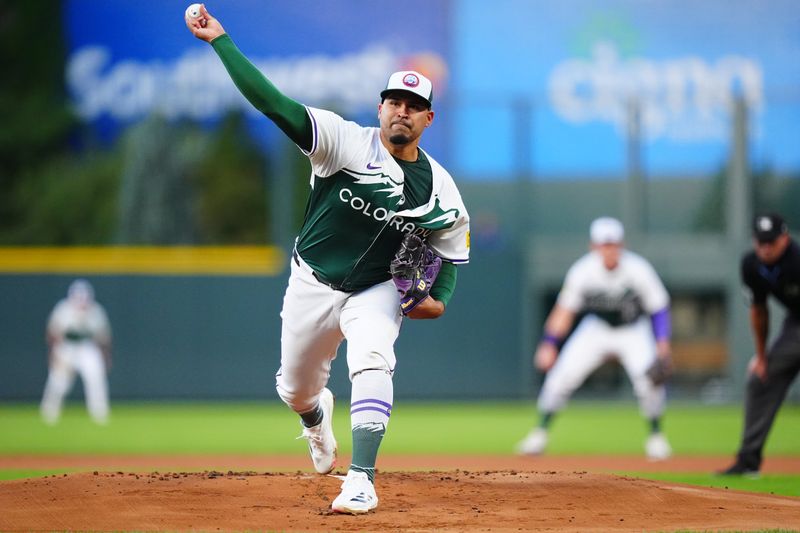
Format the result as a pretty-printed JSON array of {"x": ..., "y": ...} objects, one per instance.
[{"x": 660, "y": 371}]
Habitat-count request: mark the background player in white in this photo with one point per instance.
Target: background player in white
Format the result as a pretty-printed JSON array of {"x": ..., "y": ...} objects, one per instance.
[
  {"x": 369, "y": 187},
  {"x": 627, "y": 317},
  {"x": 79, "y": 337}
]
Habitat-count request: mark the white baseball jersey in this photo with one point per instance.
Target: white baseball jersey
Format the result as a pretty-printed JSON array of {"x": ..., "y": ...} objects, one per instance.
[
  {"x": 74, "y": 323},
  {"x": 618, "y": 296}
]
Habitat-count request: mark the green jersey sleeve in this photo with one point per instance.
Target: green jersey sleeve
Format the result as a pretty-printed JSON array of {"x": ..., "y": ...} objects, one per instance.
[
  {"x": 290, "y": 116},
  {"x": 445, "y": 283}
]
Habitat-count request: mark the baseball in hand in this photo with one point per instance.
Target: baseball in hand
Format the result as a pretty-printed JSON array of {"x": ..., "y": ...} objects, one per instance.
[{"x": 193, "y": 12}]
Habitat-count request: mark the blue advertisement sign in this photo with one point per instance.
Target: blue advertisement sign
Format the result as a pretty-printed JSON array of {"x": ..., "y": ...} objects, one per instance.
[
  {"x": 521, "y": 87},
  {"x": 130, "y": 59},
  {"x": 582, "y": 62}
]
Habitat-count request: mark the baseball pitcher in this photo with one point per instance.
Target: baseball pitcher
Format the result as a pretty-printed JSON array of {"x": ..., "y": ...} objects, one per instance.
[{"x": 354, "y": 272}]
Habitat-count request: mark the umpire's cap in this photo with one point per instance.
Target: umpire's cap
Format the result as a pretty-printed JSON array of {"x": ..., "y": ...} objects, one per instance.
[
  {"x": 768, "y": 227},
  {"x": 412, "y": 82}
]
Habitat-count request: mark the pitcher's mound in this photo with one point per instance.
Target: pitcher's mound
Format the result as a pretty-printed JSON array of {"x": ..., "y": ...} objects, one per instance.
[{"x": 421, "y": 501}]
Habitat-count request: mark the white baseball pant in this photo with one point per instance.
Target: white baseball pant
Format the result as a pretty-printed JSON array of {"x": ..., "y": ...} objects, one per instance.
[
  {"x": 85, "y": 358},
  {"x": 316, "y": 319},
  {"x": 593, "y": 342}
]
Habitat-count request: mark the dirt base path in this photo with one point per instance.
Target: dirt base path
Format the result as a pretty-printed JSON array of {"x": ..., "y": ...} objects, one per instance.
[{"x": 482, "y": 493}]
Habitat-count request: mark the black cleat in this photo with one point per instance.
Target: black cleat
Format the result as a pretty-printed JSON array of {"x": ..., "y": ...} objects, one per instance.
[{"x": 738, "y": 469}]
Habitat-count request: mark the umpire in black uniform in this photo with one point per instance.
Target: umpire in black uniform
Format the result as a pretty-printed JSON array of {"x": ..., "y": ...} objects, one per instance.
[{"x": 773, "y": 267}]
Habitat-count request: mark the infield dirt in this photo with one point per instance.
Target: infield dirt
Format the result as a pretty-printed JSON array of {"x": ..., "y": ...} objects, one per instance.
[{"x": 417, "y": 494}]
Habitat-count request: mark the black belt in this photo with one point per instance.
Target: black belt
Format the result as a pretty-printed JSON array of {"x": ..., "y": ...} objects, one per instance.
[
  {"x": 331, "y": 285},
  {"x": 77, "y": 336}
]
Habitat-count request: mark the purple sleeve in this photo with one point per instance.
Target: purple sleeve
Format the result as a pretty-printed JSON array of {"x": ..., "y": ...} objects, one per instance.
[
  {"x": 662, "y": 324},
  {"x": 549, "y": 338}
]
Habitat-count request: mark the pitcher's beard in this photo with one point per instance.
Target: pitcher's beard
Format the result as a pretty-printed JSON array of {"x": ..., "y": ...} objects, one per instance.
[{"x": 399, "y": 139}]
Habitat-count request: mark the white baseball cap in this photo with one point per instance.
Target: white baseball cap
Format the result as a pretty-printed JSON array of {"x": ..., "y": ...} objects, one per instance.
[
  {"x": 410, "y": 81},
  {"x": 81, "y": 292},
  {"x": 607, "y": 230}
]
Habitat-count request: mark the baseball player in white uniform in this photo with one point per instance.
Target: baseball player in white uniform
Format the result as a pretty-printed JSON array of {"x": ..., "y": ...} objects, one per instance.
[
  {"x": 626, "y": 317},
  {"x": 369, "y": 187},
  {"x": 79, "y": 337}
]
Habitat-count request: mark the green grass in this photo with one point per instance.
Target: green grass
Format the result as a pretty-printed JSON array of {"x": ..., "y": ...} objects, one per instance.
[
  {"x": 785, "y": 485},
  {"x": 458, "y": 428},
  {"x": 153, "y": 429},
  {"x": 23, "y": 474},
  {"x": 748, "y": 531},
  {"x": 583, "y": 428},
  {"x": 598, "y": 428}
]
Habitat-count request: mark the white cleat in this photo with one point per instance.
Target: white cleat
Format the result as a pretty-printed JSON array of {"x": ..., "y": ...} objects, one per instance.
[
  {"x": 321, "y": 441},
  {"x": 534, "y": 442},
  {"x": 357, "y": 496},
  {"x": 657, "y": 447}
]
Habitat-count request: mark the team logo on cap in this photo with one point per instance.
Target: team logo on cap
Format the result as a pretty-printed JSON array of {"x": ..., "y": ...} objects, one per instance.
[
  {"x": 410, "y": 80},
  {"x": 764, "y": 224}
]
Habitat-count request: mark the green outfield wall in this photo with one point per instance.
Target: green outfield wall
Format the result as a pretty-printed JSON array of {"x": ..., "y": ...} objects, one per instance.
[{"x": 191, "y": 336}]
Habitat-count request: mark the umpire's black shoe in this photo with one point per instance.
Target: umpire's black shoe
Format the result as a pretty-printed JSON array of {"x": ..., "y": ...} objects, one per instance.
[{"x": 738, "y": 469}]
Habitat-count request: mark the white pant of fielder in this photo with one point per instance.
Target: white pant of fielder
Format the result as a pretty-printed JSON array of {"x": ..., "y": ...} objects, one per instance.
[
  {"x": 591, "y": 344},
  {"x": 69, "y": 358}
]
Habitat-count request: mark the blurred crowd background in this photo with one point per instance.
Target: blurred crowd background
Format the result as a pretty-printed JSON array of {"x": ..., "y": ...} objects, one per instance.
[{"x": 124, "y": 143}]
